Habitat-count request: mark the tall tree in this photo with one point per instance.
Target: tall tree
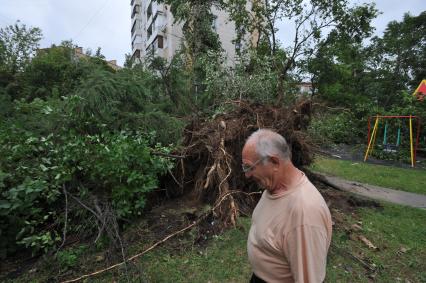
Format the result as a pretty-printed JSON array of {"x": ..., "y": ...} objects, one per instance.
[
  {"x": 197, "y": 19},
  {"x": 99, "y": 54},
  {"x": 398, "y": 59},
  {"x": 201, "y": 42},
  {"x": 310, "y": 20},
  {"x": 337, "y": 71},
  {"x": 338, "y": 66},
  {"x": 17, "y": 44}
]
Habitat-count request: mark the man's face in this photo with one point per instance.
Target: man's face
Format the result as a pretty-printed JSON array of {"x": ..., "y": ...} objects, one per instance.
[{"x": 261, "y": 171}]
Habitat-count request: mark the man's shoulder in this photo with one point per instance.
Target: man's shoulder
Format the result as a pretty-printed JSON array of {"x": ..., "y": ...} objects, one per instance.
[
  {"x": 307, "y": 193},
  {"x": 308, "y": 203}
]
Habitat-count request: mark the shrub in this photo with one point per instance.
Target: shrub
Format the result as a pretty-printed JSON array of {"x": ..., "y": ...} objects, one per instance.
[
  {"x": 35, "y": 167},
  {"x": 334, "y": 128},
  {"x": 69, "y": 258}
]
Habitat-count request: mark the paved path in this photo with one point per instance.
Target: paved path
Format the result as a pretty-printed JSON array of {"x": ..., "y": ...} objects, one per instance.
[{"x": 375, "y": 192}]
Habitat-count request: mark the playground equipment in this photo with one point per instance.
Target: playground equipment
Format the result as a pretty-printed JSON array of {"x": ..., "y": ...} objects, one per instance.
[
  {"x": 387, "y": 147},
  {"x": 392, "y": 147},
  {"x": 420, "y": 91}
]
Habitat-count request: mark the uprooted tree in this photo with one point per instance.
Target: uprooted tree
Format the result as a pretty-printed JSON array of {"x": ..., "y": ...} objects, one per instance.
[{"x": 211, "y": 168}]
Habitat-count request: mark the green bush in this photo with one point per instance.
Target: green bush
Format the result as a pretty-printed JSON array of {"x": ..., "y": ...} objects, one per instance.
[
  {"x": 69, "y": 258},
  {"x": 253, "y": 78},
  {"x": 334, "y": 128},
  {"x": 115, "y": 166}
]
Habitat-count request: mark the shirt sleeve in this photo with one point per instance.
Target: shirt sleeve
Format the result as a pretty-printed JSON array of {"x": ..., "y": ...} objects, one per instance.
[{"x": 306, "y": 250}]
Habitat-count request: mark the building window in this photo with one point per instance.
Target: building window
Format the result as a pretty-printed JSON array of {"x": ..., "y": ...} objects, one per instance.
[
  {"x": 135, "y": 11},
  {"x": 153, "y": 23},
  {"x": 149, "y": 31},
  {"x": 150, "y": 51},
  {"x": 214, "y": 23},
  {"x": 149, "y": 11},
  {"x": 160, "y": 41},
  {"x": 134, "y": 27},
  {"x": 238, "y": 47},
  {"x": 136, "y": 55}
]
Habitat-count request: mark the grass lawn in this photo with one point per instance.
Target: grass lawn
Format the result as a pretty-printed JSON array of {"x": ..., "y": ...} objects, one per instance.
[
  {"x": 409, "y": 180},
  {"x": 224, "y": 259},
  {"x": 398, "y": 232}
]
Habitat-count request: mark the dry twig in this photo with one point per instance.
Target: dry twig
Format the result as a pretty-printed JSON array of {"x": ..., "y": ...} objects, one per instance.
[
  {"x": 174, "y": 178},
  {"x": 362, "y": 262}
]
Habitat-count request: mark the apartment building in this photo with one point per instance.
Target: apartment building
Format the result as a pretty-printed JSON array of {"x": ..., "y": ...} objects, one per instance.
[{"x": 154, "y": 32}]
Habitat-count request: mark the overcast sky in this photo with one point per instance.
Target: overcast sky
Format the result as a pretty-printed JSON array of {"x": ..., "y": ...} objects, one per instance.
[{"x": 106, "y": 23}]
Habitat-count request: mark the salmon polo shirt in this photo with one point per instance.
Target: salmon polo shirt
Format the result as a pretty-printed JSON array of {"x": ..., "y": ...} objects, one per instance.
[{"x": 290, "y": 235}]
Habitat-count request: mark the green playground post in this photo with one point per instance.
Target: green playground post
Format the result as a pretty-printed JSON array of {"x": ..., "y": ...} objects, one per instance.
[
  {"x": 398, "y": 140},
  {"x": 385, "y": 134}
]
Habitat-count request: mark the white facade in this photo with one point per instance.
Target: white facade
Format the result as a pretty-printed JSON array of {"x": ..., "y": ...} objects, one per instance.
[
  {"x": 304, "y": 88},
  {"x": 153, "y": 31}
]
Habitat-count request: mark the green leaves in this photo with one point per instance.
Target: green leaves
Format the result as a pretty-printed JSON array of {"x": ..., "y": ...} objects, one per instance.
[
  {"x": 398, "y": 58},
  {"x": 35, "y": 166},
  {"x": 17, "y": 44},
  {"x": 337, "y": 128}
]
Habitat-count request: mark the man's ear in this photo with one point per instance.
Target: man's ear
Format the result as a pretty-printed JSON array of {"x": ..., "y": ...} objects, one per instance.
[{"x": 274, "y": 160}]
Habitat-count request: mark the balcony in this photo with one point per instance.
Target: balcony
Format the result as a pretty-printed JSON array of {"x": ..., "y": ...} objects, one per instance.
[
  {"x": 156, "y": 47},
  {"x": 136, "y": 55},
  {"x": 149, "y": 11},
  {"x": 137, "y": 42},
  {"x": 136, "y": 10},
  {"x": 156, "y": 27},
  {"x": 154, "y": 9},
  {"x": 134, "y": 27},
  {"x": 149, "y": 31}
]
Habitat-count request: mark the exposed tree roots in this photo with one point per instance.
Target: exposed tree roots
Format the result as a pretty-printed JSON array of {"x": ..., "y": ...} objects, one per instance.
[{"x": 211, "y": 166}]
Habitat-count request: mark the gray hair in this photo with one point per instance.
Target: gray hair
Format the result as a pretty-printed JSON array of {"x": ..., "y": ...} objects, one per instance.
[{"x": 269, "y": 143}]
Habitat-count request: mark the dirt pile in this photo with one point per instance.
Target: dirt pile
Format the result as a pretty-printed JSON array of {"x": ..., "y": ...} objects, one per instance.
[{"x": 211, "y": 170}]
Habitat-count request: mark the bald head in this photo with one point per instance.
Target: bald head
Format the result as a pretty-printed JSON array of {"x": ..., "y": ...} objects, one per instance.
[{"x": 269, "y": 143}]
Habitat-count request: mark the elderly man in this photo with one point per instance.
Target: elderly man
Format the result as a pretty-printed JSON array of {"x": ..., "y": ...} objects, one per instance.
[{"x": 291, "y": 225}]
